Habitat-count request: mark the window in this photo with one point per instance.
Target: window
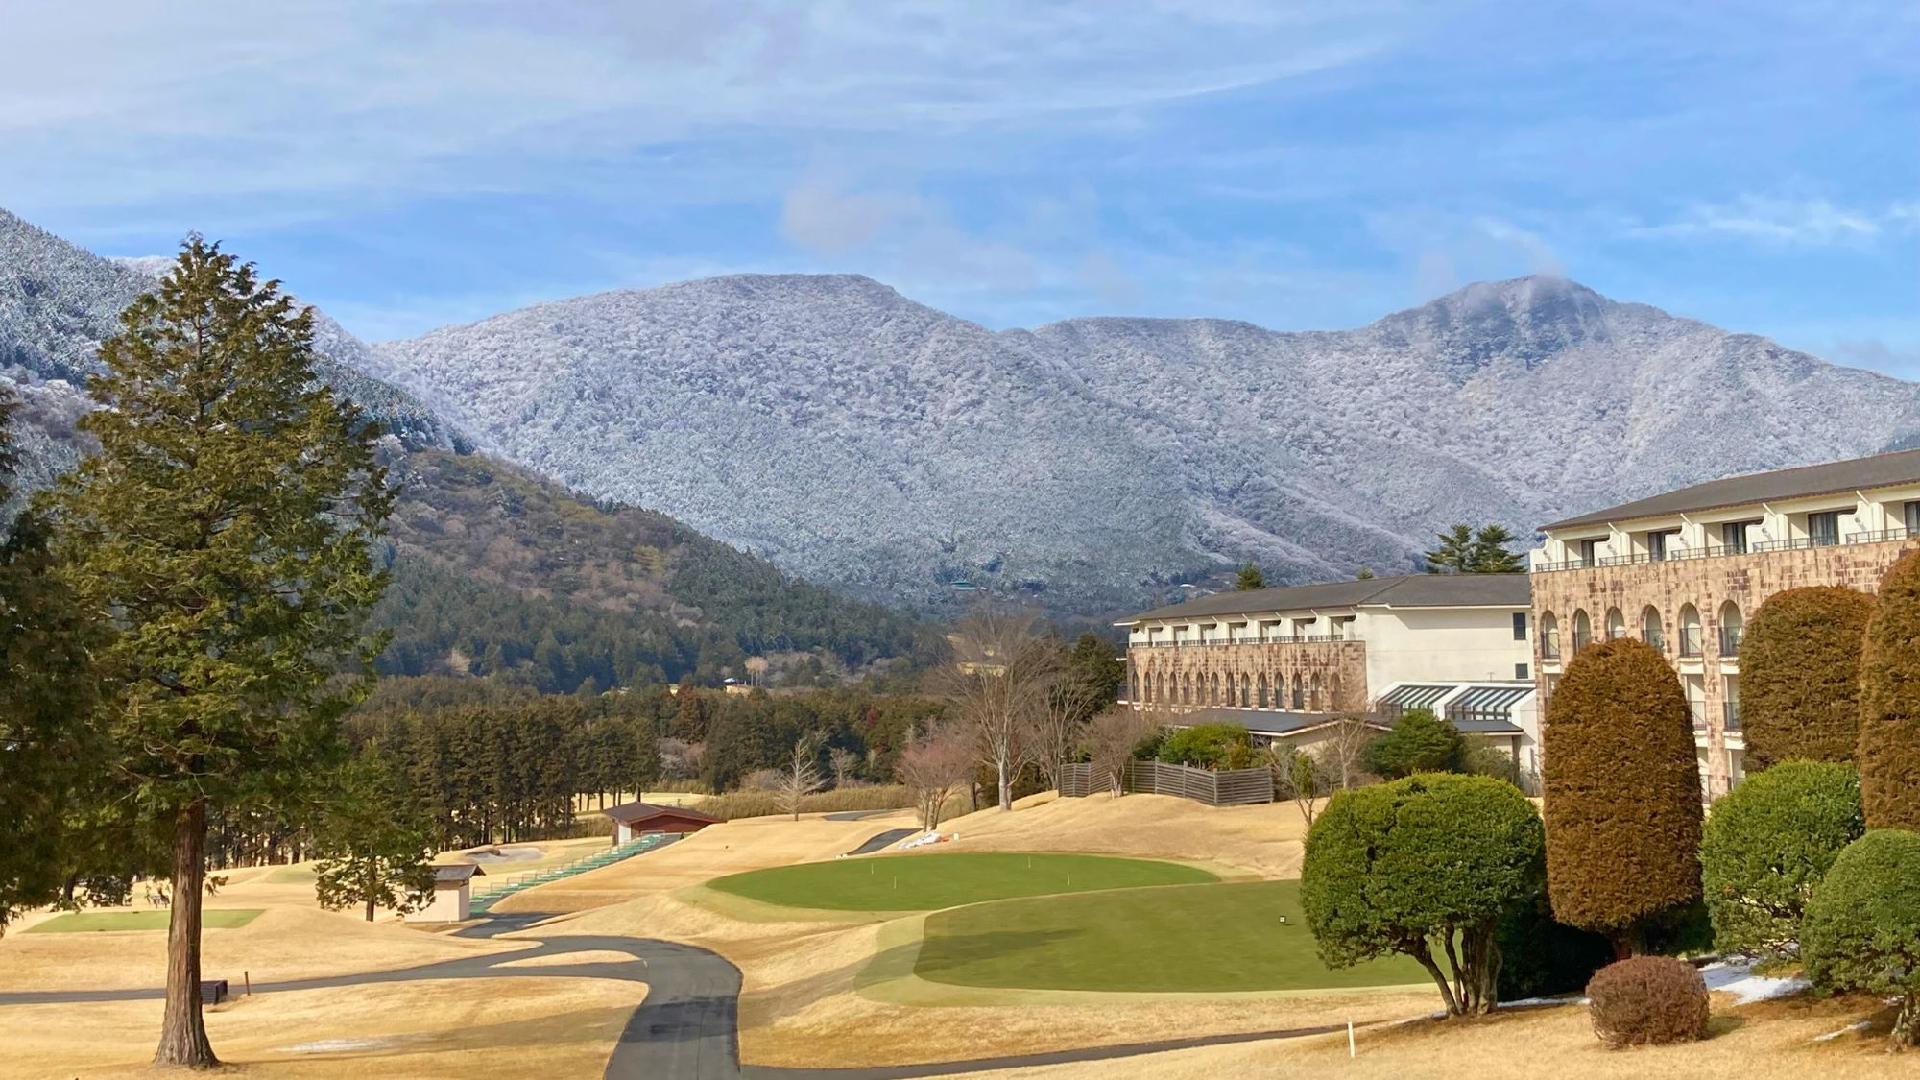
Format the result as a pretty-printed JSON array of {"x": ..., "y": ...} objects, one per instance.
[
  {"x": 1658, "y": 544},
  {"x": 1582, "y": 631},
  {"x": 1519, "y": 626},
  {"x": 1911, "y": 512},
  {"x": 1824, "y": 528},
  {"x": 1246, "y": 691},
  {"x": 1733, "y": 536},
  {"x": 1520, "y": 672},
  {"x": 1651, "y": 630},
  {"x": 1549, "y": 636},
  {"x": 1616, "y": 624},
  {"x": 1299, "y": 693},
  {"x": 1689, "y": 631},
  {"x": 1590, "y": 551},
  {"x": 1730, "y": 629}
]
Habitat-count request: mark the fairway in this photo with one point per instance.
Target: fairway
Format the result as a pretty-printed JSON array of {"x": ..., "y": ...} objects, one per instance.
[
  {"x": 930, "y": 882},
  {"x": 1219, "y": 938},
  {"x": 83, "y": 921}
]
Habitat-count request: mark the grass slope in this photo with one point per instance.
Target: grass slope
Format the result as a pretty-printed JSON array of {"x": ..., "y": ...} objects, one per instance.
[
  {"x": 929, "y": 882},
  {"x": 80, "y": 922},
  {"x": 1224, "y": 937}
]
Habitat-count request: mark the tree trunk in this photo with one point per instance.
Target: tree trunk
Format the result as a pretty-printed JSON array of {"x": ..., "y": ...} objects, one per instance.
[
  {"x": 1906, "y": 1025},
  {"x": 1425, "y": 956},
  {"x": 1006, "y": 785},
  {"x": 183, "y": 1030},
  {"x": 369, "y": 905}
]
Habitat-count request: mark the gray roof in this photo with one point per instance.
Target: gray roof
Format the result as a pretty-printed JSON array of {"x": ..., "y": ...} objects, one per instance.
[
  {"x": 1407, "y": 590},
  {"x": 1832, "y": 478},
  {"x": 1268, "y": 721},
  {"x": 635, "y": 812},
  {"x": 457, "y": 873}
]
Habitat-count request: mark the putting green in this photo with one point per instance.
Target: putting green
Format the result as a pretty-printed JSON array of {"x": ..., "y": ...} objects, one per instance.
[
  {"x": 82, "y": 921},
  {"x": 930, "y": 882},
  {"x": 1224, "y": 937}
]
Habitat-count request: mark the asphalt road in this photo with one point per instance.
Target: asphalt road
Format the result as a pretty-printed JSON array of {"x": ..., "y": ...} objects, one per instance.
[
  {"x": 688, "y": 1026},
  {"x": 883, "y": 840}
]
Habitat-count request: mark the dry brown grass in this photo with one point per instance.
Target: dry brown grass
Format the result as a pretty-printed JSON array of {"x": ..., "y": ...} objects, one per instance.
[
  {"x": 1766, "y": 1041},
  {"x": 545, "y": 1028}
]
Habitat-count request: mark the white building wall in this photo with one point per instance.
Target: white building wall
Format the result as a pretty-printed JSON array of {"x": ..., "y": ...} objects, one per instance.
[
  {"x": 1441, "y": 645},
  {"x": 448, "y": 905}
]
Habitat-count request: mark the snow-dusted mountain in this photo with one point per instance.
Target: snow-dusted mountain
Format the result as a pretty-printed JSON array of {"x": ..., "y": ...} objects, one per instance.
[{"x": 864, "y": 440}]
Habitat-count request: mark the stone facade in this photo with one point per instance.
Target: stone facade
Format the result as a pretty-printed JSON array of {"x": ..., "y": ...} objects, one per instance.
[
  {"x": 1321, "y": 676},
  {"x": 1722, "y": 590}
]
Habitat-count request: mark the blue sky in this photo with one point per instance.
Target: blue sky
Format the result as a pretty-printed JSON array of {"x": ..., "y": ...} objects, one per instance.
[{"x": 406, "y": 165}]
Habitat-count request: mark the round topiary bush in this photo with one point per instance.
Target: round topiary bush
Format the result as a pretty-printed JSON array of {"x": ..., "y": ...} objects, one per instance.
[
  {"x": 1862, "y": 931},
  {"x": 1767, "y": 844},
  {"x": 1622, "y": 792},
  {"x": 1427, "y": 865},
  {"x": 1648, "y": 999},
  {"x": 1889, "y": 749},
  {"x": 1800, "y": 676}
]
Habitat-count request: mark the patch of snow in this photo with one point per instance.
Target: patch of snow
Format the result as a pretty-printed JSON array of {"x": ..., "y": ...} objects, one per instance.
[
  {"x": 1737, "y": 978},
  {"x": 334, "y": 1046},
  {"x": 1857, "y": 1025}
]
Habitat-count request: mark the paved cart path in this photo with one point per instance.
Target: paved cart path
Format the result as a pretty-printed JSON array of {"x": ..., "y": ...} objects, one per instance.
[
  {"x": 687, "y": 1028},
  {"x": 883, "y": 840}
]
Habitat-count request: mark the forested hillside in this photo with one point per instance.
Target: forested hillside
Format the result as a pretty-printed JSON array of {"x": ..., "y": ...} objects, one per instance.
[{"x": 499, "y": 574}]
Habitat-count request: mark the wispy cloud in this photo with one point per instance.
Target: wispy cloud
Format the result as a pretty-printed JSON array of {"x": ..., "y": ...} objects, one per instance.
[{"x": 1814, "y": 222}]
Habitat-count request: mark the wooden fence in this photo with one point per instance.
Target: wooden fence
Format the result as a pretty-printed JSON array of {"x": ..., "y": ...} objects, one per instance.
[{"x": 1232, "y": 787}]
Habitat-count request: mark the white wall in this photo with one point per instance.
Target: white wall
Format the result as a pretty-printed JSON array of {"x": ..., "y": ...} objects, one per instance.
[
  {"x": 448, "y": 905},
  {"x": 1441, "y": 645}
]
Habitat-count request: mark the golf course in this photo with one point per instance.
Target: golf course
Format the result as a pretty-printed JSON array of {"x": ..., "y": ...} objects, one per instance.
[{"x": 934, "y": 881}]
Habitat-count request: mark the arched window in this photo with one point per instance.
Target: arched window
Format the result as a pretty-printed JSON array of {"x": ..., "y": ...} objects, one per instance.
[
  {"x": 1137, "y": 679},
  {"x": 1730, "y": 629},
  {"x": 1316, "y": 701},
  {"x": 1260, "y": 686},
  {"x": 1689, "y": 630},
  {"x": 1616, "y": 624},
  {"x": 1217, "y": 698},
  {"x": 1246, "y": 691},
  {"x": 1549, "y": 636},
  {"x": 1299, "y": 692},
  {"x": 1652, "y": 631},
  {"x": 1582, "y": 630}
]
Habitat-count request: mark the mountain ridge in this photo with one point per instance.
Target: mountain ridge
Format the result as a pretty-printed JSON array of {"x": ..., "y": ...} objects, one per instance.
[{"x": 860, "y": 438}]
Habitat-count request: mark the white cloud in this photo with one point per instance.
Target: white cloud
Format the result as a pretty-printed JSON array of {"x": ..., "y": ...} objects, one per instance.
[{"x": 1811, "y": 222}]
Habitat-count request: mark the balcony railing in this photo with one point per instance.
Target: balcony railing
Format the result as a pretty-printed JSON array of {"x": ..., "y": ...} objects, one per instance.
[
  {"x": 1730, "y": 641},
  {"x": 1712, "y": 550},
  {"x": 1730, "y": 715},
  {"x": 1689, "y": 641},
  {"x": 1194, "y": 643},
  {"x": 1699, "y": 710}
]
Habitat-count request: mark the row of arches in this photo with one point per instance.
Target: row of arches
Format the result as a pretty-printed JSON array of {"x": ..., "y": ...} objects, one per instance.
[
  {"x": 1651, "y": 628},
  {"x": 1244, "y": 690}
]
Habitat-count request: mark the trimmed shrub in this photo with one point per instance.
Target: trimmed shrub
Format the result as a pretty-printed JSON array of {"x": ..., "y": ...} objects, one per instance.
[
  {"x": 1209, "y": 746},
  {"x": 1648, "y": 1000},
  {"x": 1800, "y": 676},
  {"x": 1394, "y": 867},
  {"x": 1766, "y": 845},
  {"x": 1418, "y": 742},
  {"x": 1889, "y": 749},
  {"x": 1622, "y": 793},
  {"x": 1862, "y": 931}
]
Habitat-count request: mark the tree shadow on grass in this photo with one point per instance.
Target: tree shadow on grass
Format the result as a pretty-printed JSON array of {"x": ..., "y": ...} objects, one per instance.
[{"x": 945, "y": 955}]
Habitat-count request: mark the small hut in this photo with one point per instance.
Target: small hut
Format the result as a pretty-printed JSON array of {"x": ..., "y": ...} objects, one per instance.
[
  {"x": 637, "y": 819},
  {"x": 452, "y": 893}
]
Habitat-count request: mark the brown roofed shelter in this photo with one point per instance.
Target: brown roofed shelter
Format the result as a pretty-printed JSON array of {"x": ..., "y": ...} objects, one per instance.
[
  {"x": 638, "y": 818},
  {"x": 452, "y": 893}
]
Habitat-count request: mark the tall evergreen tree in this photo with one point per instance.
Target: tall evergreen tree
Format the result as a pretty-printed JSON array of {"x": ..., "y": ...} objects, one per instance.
[
  {"x": 1465, "y": 550},
  {"x": 1800, "y": 676},
  {"x": 1889, "y": 747},
  {"x": 226, "y": 529},
  {"x": 1250, "y": 578},
  {"x": 47, "y": 739},
  {"x": 375, "y": 846},
  {"x": 1453, "y": 553}
]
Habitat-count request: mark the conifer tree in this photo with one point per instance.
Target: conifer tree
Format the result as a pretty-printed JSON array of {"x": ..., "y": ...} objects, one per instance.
[
  {"x": 1622, "y": 793},
  {"x": 47, "y": 739},
  {"x": 1249, "y": 578},
  {"x": 1889, "y": 747},
  {"x": 225, "y": 528},
  {"x": 374, "y": 847},
  {"x": 1800, "y": 676}
]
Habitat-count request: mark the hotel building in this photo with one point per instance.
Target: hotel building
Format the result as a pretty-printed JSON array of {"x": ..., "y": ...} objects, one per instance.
[
  {"x": 1286, "y": 662},
  {"x": 1683, "y": 570}
]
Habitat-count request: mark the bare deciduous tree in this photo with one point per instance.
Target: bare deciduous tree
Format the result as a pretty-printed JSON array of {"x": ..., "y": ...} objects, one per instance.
[
  {"x": 801, "y": 777},
  {"x": 1061, "y": 724},
  {"x": 1340, "y": 750},
  {"x": 996, "y": 685},
  {"x": 1111, "y": 737},
  {"x": 936, "y": 765},
  {"x": 842, "y": 760},
  {"x": 1299, "y": 775}
]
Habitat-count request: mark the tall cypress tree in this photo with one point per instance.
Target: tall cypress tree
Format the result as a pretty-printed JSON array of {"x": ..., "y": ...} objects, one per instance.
[
  {"x": 1800, "y": 676},
  {"x": 225, "y": 529},
  {"x": 1622, "y": 793},
  {"x": 1889, "y": 748}
]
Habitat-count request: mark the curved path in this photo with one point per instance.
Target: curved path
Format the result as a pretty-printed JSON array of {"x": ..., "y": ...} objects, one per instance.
[
  {"x": 883, "y": 840},
  {"x": 687, "y": 1027}
]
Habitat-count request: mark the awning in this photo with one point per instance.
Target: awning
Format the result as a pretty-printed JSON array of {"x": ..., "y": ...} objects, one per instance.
[
  {"x": 1487, "y": 709},
  {"x": 1415, "y": 696}
]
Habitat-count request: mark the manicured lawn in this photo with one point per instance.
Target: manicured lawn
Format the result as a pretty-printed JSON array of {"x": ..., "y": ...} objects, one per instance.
[
  {"x": 82, "y": 921},
  {"x": 927, "y": 882},
  {"x": 1216, "y": 938}
]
